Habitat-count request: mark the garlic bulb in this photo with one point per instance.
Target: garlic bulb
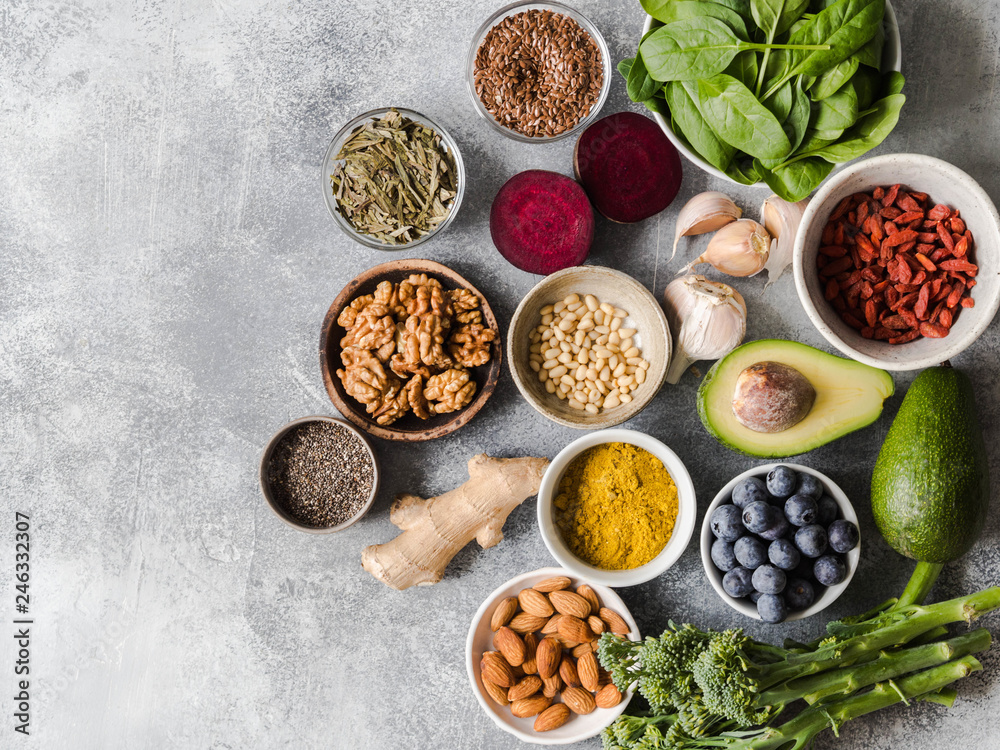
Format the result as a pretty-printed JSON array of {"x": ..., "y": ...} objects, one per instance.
[
  {"x": 781, "y": 219},
  {"x": 708, "y": 319},
  {"x": 706, "y": 212},
  {"x": 738, "y": 249}
]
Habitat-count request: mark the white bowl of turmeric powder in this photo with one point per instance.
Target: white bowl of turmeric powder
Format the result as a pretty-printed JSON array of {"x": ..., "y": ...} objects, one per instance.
[{"x": 616, "y": 507}]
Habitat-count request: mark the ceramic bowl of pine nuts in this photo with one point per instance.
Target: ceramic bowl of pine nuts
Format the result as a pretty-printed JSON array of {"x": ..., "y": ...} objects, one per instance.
[
  {"x": 589, "y": 347},
  {"x": 576, "y": 698}
]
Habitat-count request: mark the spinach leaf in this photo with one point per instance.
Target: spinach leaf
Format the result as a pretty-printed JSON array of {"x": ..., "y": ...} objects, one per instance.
[
  {"x": 845, "y": 26},
  {"x": 697, "y": 48},
  {"x": 743, "y": 170},
  {"x": 624, "y": 66},
  {"x": 735, "y": 114},
  {"x": 868, "y": 133},
  {"x": 639, "y": 84},
  {"x": 870, "y": 53},
  {"x": 780, "y": 102},
  {"x": 815, "y": 140},
  {"x": 793, "y": 183},
  {"x": 740, "y": 6},
  {"x": 828, "y": 83},
  {"x": 775, "y": 17},
  {"x": 838, "y": 111},
  {"x": 744, "y": 68},
  {"x": 797, "y": 123},
  {"x": 865, "y": 82},
  {"x": 683, "y": 103},
  {"x": 828, "y": 135},
  {"x": 893, "y": 83},
  {"x": 679, "y": 10}
]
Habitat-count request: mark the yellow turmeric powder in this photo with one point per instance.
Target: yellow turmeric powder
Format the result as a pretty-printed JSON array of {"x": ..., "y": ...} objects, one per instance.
[{"x": 616, "y": 507}]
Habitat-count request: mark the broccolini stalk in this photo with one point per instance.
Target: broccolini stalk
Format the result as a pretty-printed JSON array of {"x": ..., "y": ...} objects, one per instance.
[{"x": 887, "y": 666}]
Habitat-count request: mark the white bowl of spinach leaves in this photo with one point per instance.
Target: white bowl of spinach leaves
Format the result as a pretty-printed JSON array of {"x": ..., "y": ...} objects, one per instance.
[{"x": 770, "y": 91}]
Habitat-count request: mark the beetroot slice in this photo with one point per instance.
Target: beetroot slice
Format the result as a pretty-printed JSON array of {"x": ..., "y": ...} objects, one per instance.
[
  {"x": 542, "y": 222},
  {"x": 628, "y": 167}
]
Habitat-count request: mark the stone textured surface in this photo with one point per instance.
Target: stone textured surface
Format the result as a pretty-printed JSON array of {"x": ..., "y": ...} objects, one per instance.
[{"x": 167, "y": 261}]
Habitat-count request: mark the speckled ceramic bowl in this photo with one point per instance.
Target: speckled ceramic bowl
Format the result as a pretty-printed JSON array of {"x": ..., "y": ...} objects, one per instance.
[
  {"x": 829, "y": 595},
  {"x": 616, "y": 288},
  {"x": 480, "y": 639},
  {"x": 944, "y": 183}
]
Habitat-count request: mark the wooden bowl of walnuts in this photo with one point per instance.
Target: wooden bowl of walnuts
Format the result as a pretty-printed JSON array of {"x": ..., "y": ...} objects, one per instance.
[
  {"x": 410, "y": 351},
  {"x": 531, "y": 657}
]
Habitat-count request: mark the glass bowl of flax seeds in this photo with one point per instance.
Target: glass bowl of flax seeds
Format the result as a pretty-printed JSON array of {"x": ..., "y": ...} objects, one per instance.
[
  {"x": 538, "y": 72},
  {"x": 319, "y": 474}
]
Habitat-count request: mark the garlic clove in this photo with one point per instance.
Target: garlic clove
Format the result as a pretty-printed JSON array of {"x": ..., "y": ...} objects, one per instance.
[
  {"x": 781, "y": 219},
  {"x": 705, "y": 212},
  {"x": 707, "y": 321},
  {"x": 738, "y": 249}
]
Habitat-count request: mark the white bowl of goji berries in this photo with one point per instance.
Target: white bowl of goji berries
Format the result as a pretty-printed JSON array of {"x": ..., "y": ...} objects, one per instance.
[{"x": 897, "y": 261}]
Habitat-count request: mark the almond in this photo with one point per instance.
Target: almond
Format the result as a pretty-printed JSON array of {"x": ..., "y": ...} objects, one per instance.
[
  {"x": 551, "y": 626},
  {"x": 496, "y": 669},
  {"x": 608, "y": 696},
  {"x": 583, "y": 648},
  {"x": 547, "y": 656},
  {"x": 551, "y": 686},
  {"x": 591, "y": 596},
  {"x": 535, "y": 603},
  {"x": 509, "y": 643},
  {"x": 555, "y": 583},
  {"x": 574, "y": 629},
  {"x": 568, "y": 603},
  {"x": 596, "y": 624},
  {"x": 578, "y": 700},
  {"x": 502, "y": 614},
  {"x": 586, "y": 668},
  {"x": 523, "y": 623},
  {"x": 614, "y": 621},
  {"x": 552, "y": 717},
  {"x": 532, "y": 705},
  {"x": 567, "y": 670},
  {"x": 529, "y": 665},
  {"x": 525, "y": 687},
  {"x": 496, "y": 693}
]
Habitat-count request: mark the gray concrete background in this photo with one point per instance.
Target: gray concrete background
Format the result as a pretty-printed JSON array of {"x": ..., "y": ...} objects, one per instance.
[{"x": 167, "y": 262}]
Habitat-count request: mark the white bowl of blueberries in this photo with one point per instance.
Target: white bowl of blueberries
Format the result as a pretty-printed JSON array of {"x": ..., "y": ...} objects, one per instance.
[{"x": 780, "y": 542}]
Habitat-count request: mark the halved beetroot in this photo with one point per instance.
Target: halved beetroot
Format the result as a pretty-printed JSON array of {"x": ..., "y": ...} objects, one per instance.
[
  {"x": 542, "y": 222},
  {"x": 628, "y": 167}
]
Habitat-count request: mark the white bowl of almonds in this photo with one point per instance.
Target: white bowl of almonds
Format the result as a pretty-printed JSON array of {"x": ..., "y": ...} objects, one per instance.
[
  {"x": 531, "y": 660},
  {"x": 589, "y": 347}
]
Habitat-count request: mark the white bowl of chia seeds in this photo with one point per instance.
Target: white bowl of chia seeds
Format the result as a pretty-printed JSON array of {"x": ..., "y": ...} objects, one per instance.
[{"x": 319, "y": 474}]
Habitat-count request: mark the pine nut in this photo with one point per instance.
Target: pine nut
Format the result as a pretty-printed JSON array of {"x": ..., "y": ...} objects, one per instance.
[
  {"x": 591, "y": 408},
  {"x": 557, "y": 371},
  {"x": 616, "y": 323},
  {"x": 550, "y": 387},
  {"x": 547, "y": 310},
  {"x": 574, "y": 404},
  {"x": 640, "y": 375},
  {"x": 533, "y": 364},
  {"x": 631, "y": 353}
]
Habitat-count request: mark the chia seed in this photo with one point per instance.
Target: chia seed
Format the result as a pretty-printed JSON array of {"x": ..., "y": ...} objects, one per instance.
[{"x": 321, "y": 474}]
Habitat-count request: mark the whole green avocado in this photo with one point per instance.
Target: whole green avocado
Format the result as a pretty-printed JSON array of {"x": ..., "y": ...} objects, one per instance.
[{"x": 931, "y": 485}]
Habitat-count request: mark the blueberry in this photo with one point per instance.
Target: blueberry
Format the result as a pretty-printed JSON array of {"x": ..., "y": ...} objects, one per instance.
[
  {"x": 781, "y": 481},
  {"x": 750, "y": 551},
  {"x": 783, "y": 554},
  {"x": 771, "y": 608},
  {"x": 828, "y": 511},
  {"x": 843, "y": 536},
  {"x": 748, "y": 491},
  {"x": 777, "y": 531},
  {"x": 830, "y": 570},
  {"x": 759, "y": 515},
  {"x": 726, "y": 523},
  {"x": 801, "y": 510},
  {"x": 799, "y": 593},
  {"x": 809, "y": 485},
  {"x": 811, "y": 540},
  {"x": 738, "y": 582},
  {"x": 754, "y": 596},
  {"x": 722, "y": 555},
  {"x": 768, "y": 579}
]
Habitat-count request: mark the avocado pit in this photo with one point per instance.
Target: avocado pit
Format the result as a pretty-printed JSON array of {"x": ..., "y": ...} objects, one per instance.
[{"x": 772, "y": 397}]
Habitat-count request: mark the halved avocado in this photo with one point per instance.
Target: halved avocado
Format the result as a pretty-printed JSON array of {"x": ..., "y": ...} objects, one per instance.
[{"x": 849, "y": 396}]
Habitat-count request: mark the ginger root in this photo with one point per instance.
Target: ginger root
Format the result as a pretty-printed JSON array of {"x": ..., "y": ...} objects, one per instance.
[{"x": 434, "y": 530}]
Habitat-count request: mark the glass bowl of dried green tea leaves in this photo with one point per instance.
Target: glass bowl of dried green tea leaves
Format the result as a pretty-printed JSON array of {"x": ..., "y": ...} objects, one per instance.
[{"x": 393, "y": 178}]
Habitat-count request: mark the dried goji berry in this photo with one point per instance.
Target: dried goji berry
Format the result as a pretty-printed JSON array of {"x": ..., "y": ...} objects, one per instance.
[
  {"x": 968, "y": 302},
  {"x": 933, "y": 331}
]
